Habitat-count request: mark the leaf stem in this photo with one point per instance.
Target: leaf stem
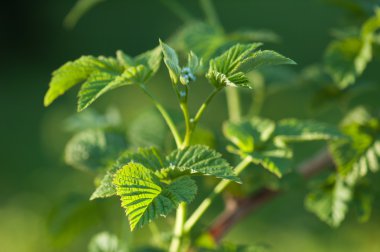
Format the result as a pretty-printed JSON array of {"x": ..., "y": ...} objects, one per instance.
[
  {"x": 204, "y": 106},
  {"x": 211, "y": 15},
  {"x": 233, "y": 104},
  {"x": 165, "y": 115},
  {"x": 219, "y": 188},
  {"x": 177, "y": 9},
  {"x": 178, "y": 232}
]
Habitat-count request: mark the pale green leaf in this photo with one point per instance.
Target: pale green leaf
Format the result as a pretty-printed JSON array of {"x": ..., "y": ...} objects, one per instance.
[
  {"x": 329, "y": 201},
  {"x": 145, "y": 198},
  {"x": 203, "y": 160},
  {"x": 171, "y": 62},
  {"x": 93, "y": 149},
  {"x": 105, "y": 242}
]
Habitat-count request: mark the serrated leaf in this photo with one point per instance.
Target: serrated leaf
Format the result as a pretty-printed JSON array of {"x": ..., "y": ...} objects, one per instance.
[
  {"x": 291, "y": 130},
  {"x": 229, "y": 69},
  {"x": 203, "y": 160},
  {"x": 70, "y": 74},
  {"x": 101, "y": 75},
  {"x": 93, "y": 149},
  {"x": 171, "y": 62},
  {"x": 145, "y": 198},
  {"x": 329, "y": 201},
  {"x": 148, "y": 157},
  {"x": 104, "y": 242},
  {"x": 264, "y": 58}
]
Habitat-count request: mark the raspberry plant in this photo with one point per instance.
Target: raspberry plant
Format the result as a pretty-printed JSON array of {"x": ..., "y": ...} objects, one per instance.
[{"x": 154, "y": 178}]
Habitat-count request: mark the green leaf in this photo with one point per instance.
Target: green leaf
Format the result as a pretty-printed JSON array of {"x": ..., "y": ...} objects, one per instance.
[
  {"x": 144, "y": 197},
  {"x": 136, "y": 71},
  {"x": 98, "y": 84},
  {"x": 291, "y": 130},
  {"x": 247, "y": 134},
  {"x": 229, "y": 69},
  {"x": 100, "y": 75},
  {"x": 356, "y": 156},
  {"x": 329, "y": 201},
  {"x": 104, "y": 242},
  {"x": 223, "y": 69},
  {"x": 264, "y": 58},
  {"x": 148, "y": 157},
  {"x": 203, "y": 160},
  {"x": 276, "y": 162},
  {"x": 70, "y": 74},
  {"x": 347, "y": 59},
  {"x": 171, "y": 62},
  {"x": 92, "y": 150}
]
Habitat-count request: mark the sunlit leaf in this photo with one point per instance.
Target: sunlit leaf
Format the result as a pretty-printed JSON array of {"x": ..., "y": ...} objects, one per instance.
[{"x": 145, "y": 198}]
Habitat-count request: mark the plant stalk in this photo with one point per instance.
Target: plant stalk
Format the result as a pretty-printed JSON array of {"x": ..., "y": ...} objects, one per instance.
[
  {"x": 211, "y": 14},
  {"x": 233, "y": 104},
  {"x": 219, "y": 188},
  {"x": 177, "y": 9},
  {"x": 166, "y": 116},
  {"x": 178, "y": 232}
]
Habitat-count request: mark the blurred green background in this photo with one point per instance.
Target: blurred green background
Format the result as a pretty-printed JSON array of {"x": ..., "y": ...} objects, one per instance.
[{"x": 41, "y": 198}]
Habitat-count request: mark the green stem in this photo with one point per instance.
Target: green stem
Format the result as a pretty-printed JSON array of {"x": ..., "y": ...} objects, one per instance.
[
  {"x": 177, "y": 9},
  {"x": 219, "y": 188},
  {"x": 166, "y": 116},
  {"x": 211, "y": 15},
  {"x": 186, "y": 115},
  {"x": 204, "y": 105},
  {"x": 178, "y": 232},
  {"x": 233, "y": 104}
]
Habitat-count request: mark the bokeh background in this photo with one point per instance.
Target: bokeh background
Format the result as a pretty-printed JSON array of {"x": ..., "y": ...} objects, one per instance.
[{"x": 42, "y": 200}]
